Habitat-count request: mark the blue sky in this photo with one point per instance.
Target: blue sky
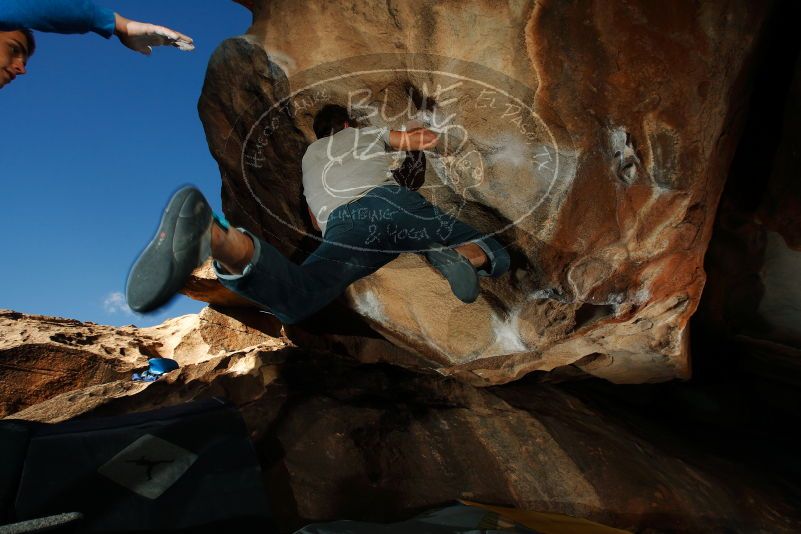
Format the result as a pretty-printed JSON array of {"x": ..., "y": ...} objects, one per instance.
[{"x": 93, "y": 141}]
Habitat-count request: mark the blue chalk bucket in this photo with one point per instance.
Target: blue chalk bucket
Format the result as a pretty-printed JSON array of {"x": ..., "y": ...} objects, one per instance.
[{"x": 159, "y": 366}]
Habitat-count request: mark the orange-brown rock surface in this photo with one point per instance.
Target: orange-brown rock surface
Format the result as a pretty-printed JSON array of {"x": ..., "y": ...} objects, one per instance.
[
  {"x": 338, "y": 439},
  {"x": 591, "y": 138}
]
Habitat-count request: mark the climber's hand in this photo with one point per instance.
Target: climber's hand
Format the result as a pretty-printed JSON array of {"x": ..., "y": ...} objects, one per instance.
[
  {"x": 413, "y": 140},
  {"x": 141, "y": 36}
]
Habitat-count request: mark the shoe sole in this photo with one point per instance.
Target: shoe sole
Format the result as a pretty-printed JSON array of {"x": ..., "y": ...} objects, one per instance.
[
  {"x": 174, "y": 252},
  {"x": 458, "y": 271}
]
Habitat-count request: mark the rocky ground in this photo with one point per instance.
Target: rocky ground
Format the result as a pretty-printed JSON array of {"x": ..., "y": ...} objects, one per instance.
[{"x": 341, "y": 439}]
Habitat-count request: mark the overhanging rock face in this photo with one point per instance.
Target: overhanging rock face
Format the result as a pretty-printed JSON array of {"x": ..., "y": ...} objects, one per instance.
[{"x": 592, "y": 139}]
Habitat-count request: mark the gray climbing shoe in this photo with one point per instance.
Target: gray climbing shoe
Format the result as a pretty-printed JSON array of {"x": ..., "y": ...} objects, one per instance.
[
  {"x": 461, "y": 275},
  {"x": 182, "y": 243}
]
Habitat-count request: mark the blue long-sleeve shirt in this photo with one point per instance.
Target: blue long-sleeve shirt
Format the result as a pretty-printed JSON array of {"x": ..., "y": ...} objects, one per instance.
[{"x": 56, "y": 16}]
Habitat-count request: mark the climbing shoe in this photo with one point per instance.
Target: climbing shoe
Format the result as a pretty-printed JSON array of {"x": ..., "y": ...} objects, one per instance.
[
  {"x": 181, "y": 244},
  {"x": 457, "y": 270}
]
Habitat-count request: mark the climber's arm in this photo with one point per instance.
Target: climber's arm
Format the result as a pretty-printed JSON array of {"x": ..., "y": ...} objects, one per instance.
[{"x": 413, "y": 140}]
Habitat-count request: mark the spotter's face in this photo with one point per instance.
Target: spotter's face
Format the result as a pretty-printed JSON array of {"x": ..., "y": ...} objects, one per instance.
[{"x": 13, "y": 56}]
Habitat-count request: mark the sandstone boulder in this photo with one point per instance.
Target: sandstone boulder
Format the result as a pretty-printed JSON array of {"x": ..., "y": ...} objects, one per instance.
[{"x": 591, "y": 138}]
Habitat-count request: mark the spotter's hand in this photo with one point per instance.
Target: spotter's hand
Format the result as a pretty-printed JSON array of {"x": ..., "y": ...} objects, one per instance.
[{"x": 142, "y": 37}]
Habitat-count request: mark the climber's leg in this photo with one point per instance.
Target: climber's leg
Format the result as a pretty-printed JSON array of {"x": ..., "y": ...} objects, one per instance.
[
  {"x": 293, "y": 292},
  {"x": 421, "y": 223},
  {"x": 466, "y": 239},
  {"x": 415, "y": 225},
  {"x": 182, "y": 242},
  {"x": 248, "y": 266}
]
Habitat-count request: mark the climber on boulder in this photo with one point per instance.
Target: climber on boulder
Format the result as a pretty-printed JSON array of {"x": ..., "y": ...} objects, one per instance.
[
  {"x": 366, "y": 219},
  {"x": 19, "y": 17}
]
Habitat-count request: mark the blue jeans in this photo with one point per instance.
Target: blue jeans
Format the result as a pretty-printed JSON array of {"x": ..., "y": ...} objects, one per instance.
[{"x": 360, "y": 237}]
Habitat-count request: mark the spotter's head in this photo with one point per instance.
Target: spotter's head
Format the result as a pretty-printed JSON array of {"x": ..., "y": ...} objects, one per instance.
[{"x": 16, "y": 47}]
